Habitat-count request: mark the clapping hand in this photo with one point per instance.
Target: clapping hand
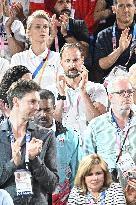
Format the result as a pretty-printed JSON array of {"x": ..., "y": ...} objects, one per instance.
[
  {"x": 61, "y": 85},
  {"x": 16, "y": 154},
  {"x": 84, "y": 79},
  {"x": 124, "y": 40},
  {"x": 35, "y": 147}
]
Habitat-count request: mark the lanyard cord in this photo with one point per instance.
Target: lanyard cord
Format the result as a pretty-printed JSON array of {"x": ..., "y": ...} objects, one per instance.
[{"x": 126, "y": 133}]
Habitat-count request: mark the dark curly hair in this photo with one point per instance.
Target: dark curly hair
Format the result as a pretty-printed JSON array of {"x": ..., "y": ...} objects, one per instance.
[{"x": 12, "y": 75}]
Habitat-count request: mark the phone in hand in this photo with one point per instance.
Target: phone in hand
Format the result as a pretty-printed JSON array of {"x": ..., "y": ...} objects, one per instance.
[{"x": 132, "y": 174}]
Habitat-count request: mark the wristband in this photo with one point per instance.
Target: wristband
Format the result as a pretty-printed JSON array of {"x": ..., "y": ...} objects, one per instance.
[{"x": 61, "y": 97}]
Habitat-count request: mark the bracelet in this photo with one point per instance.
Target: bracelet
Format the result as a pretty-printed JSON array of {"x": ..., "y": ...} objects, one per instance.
[{"x": 61, "y": 97}]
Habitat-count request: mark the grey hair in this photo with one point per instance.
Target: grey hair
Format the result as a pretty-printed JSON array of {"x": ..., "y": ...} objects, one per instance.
[{"x": 111, "y": 85}]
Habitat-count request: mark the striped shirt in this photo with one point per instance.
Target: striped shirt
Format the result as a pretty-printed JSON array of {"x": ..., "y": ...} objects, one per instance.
[{"x": 114, "y": 196}]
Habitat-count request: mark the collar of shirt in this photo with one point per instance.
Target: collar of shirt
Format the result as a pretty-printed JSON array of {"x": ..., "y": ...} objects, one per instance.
[
  {"x": 120, "y": 30},
  {"x": 41, "y": 56},
  {"x": 133, "y": 119},
  {"x": 53, "y": 127}
]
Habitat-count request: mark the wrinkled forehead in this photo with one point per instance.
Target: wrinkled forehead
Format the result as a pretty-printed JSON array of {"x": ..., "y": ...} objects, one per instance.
[
  {"x": 122, "y": 85},
  {"x": 125, "y": 2}
]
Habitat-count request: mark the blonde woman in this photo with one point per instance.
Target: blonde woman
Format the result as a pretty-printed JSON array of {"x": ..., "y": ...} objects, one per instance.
[
  {"x": 94, "y": 186},
  {"x": 43, "y": 63}
]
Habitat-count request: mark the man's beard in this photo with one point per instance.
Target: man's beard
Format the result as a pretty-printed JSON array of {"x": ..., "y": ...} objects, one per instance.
[
  {"x": 66, "y": 11},
  {"x": 72, "y": 75}
]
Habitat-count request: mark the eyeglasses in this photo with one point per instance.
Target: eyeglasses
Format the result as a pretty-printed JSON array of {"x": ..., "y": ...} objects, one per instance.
[{"x": 123, "y": 92}]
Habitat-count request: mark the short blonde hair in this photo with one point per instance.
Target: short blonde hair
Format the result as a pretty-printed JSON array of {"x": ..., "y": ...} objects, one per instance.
[
  {"x": 37, "y": 14},
  {"x": 85, "y": 167}
]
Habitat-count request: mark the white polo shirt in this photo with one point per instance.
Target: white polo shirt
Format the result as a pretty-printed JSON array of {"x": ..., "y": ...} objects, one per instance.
[
  {"x": 19, "y": 34},
  {"x": 4, "y": 66},
  {"x": 31, "y": 61}
]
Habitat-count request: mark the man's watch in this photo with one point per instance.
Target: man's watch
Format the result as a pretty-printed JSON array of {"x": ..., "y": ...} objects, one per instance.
[{"x": 10, "y": 35}]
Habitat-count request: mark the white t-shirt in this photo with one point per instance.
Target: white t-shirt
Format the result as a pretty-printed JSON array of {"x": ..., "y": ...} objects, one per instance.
[
  {"x": 4, "y": 66},
  {"x": 19, "y": 34},
  {"x": 31, "y": 61}
]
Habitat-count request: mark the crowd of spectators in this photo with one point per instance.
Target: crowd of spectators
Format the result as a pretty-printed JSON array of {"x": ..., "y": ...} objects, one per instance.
[{"x": 67, "y": 102}]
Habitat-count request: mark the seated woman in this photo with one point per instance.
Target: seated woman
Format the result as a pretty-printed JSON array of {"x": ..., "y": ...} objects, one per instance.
[{"x": 93, "y": 184}]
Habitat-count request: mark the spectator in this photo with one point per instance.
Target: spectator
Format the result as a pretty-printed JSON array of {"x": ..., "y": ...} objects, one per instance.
[
  {"x": 114, "y": 44},
  {"x": 67, "y": 30},
  {"x": 118, "y": 127},
  {"x": 93, "y": 184},
  {"x": 67, "y": 147},
  {"x": 12, "y": 33},
  {"x": 27, "y": 150},
  {"x": 79, "y": 100},
  {"x": 5, "y": 198},
  {"x": 42, "y": 63},
  {"x": 4, "y": 66}
]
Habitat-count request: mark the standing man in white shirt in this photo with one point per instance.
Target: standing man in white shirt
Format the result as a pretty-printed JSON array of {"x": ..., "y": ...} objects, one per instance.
[{"x": 79, "y": 100}]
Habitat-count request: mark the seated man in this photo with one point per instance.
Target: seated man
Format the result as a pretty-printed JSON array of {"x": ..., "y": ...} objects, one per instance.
[
  {"x": 67, "y": 147},
  {"x": 115, "y": 45},
  {"x": 12, "y": 33},
  {"x": 27, "y": 152},
  {"x": 112, "y": 135}
]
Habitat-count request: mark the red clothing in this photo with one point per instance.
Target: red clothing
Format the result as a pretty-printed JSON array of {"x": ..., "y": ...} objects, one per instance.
[
  {"x": 46, "y": 5},
  {"x": 84, "y": 9}
]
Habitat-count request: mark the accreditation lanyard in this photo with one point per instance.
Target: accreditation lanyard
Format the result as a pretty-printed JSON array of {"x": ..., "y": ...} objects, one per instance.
[
  {"x": 118, "y": 134},
  {"x": 89, "y": 198},
  {"x": 41, "y": 67},
  {"x": 2, "y": 40},
  {"x": 27, "y": 140},
  {"x": 114, "y": 40}
]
